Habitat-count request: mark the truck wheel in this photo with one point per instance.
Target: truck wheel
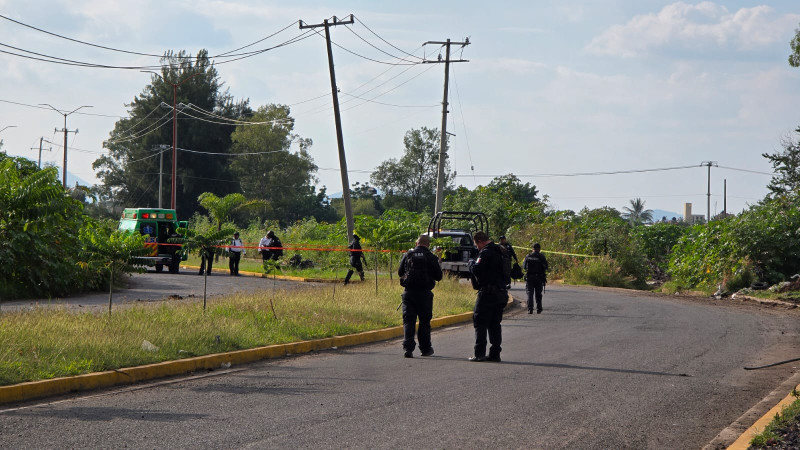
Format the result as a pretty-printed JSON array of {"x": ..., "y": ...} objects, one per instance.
[
  {"x": 175, "y": 265},
  {"x": 159, "y": 268}
]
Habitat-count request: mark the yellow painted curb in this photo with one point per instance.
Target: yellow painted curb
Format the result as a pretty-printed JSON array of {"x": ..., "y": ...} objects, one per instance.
[
  {"x": 265, "y": 275},
  {"x": 58, "y": 386},
  {"x": 743, "y": 442}
]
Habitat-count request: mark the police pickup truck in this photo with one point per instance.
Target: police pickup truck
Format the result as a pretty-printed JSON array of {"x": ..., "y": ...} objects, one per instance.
[
  {"x": 158, "y": 226},
  {"x": 459, "y": 247}
]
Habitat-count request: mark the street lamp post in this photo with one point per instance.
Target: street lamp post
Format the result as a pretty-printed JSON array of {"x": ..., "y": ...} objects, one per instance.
[
  {"x": 173, "y": 203},
  {"x": 65, "y": 130}
]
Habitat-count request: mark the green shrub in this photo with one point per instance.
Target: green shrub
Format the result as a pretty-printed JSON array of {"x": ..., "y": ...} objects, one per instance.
[{"x": 602, "y": 271}]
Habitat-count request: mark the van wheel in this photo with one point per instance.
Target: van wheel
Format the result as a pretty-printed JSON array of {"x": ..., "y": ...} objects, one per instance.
[{"x": 159, "y": 268}]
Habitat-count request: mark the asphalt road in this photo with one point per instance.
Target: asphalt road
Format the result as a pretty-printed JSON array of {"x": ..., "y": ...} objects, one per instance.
[
  {"x": 152, "y": 286},
  {"x": 598, "y": 369}
]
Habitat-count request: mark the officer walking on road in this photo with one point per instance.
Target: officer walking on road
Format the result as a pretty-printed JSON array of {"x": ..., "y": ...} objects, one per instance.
[
  {"x": 535, "y": 266},
  {"x": 419, "y": 271},
  {"x": 356, "y": 255},
  {"x": 489, "y": 280},
  {"x": 235, "y": 251}
]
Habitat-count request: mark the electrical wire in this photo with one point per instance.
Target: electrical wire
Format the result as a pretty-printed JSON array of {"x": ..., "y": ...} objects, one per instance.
[
  {"x": 384, "y": 40},
  {"x": 232, "y": 154},
  {"x": 746, "y": 170},
  {"x": 388, "y": 104},
  {"x": 464, "y": 125},
  {"x": 236, "y": 121},
  {"x": 69, "y": 62},
  {"x": 578, "y": 174},
  {"x": 318, "y": 33},
  {"x": 390, "y": 90},
  {"x": 378, "y": 49},
  {"x": 228, "y": 53}
]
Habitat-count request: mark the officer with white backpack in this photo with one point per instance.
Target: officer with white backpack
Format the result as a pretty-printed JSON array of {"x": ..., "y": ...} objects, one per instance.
[{"x": 419, "y": 271}]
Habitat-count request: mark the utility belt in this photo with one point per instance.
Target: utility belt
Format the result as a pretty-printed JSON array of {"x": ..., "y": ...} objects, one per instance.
[{"x": 491, "y": 288}]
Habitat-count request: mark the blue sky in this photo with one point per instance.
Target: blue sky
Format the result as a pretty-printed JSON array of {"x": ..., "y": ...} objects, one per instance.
[{"x": 555, "y": 87}]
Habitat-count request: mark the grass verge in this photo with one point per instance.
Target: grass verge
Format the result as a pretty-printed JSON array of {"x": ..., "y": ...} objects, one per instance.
[
  {"x": 51, "y": 342},
  {"x": 774, "y": 433},
  {"x": 325, "y": 273}
]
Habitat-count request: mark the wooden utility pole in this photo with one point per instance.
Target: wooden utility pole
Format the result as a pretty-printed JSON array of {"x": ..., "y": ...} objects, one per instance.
[
  {"x": 443, "y": 143},
  {"x": 348, "y": 209}
]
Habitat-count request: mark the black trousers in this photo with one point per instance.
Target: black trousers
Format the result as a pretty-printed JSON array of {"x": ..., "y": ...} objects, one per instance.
[
  {"x": 486, "y": 318},
  {"x": 417, "y": 304},
  {"x": 205, "y": 263},
  {"x": 534, "y": 291},
  {"x": 233, "y": 262},
  {"x": 358, "y": 268}
]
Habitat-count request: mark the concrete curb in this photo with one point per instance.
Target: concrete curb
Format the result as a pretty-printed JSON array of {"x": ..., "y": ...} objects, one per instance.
[
  {"x": 743, "y": 442},
  {"x": 64, "y": 385}
]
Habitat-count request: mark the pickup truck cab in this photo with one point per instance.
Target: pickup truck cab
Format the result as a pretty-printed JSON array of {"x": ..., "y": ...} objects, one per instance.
[{"x": 158, "y": 226}]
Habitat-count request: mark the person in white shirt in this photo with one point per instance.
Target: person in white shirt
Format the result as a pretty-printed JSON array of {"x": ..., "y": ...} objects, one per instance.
[
  {"x": 262, "y": 247},
  {"x": 235, "y": 251}
]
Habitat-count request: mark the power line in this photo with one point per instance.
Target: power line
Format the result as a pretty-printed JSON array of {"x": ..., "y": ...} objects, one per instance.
[
  {"x": 366, "y": 57},
  {"x": 388, "y": 104},
  {"x": 228, "y": 53},
  {"x": 577, "y": 174},
  {"x": 70, "y": 62},
  {"x": 746, "y": 170},
  {"x": 384, "y": 40}
]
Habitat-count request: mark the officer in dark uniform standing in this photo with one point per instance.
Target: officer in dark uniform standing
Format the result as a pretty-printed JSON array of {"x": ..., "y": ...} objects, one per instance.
[
  {"x": 419, "y": 271},
  {"x": 356, "y": 255},
  {"x": 535, "y": 266},
  {"x": 487, "y": 278}
]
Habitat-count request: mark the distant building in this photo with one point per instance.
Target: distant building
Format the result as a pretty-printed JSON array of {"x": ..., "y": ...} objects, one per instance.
[{"x": 690, "y": 218}]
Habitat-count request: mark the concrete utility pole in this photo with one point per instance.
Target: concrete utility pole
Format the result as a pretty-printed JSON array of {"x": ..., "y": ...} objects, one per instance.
[
  {"x": 173, "y": 199},
  {"x": 41, "y": 139},
  {"x": 708, "y": 201},
  {"x": 65, "y": 130},
  {"x": 348, "y": 208},
  {"x": 443, "y": 143},
  {"x": 161, "y": 150},
  {"x": 725, "y": 197}
]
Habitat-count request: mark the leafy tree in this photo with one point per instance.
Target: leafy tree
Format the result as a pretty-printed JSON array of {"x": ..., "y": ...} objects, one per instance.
[
  {"x": 507, "y": 203},
  {"x": 39, "y": 228},
  {"x": 658, "y": 240},
  {"x": 268, "y": 169},
  {"x": 114, "y": 253},
  {"x": 221, "y": 209},
  {"x": 636, "y": 214},
  {"x": 410, "y": 182},
  {"x": 208, "y": 244},
  {"x": 794, "y": 57},
  {"x": 786, "y": 165},
  {"x": 130, "y": 171}
]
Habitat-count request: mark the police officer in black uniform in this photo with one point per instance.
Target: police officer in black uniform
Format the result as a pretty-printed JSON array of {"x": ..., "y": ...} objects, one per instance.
[
  {"x": 419, "y": 271},
  {"x": 356, "y": 255},
  {"x": 487, "y": 278},
  {"x": 535, "y": 266}
]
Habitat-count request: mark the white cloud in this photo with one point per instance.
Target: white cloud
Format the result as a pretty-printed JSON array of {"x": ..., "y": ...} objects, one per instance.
[{"x": 689, "y": 26}]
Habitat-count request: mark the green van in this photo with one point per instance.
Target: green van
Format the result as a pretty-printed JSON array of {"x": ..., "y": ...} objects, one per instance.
[{"x": 158, "y": 226}]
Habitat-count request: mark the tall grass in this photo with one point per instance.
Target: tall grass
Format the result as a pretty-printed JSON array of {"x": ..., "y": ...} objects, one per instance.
[{"x": 48, "y": 342}]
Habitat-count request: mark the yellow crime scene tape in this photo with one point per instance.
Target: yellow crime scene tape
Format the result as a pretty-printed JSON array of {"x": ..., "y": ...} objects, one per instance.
[{"x": 558, "y": 253}]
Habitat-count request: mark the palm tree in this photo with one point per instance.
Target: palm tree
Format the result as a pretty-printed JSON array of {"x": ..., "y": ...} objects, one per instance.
[
  {"x": 636, "y": 214},
  {"x": 220, "y": 209}
]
